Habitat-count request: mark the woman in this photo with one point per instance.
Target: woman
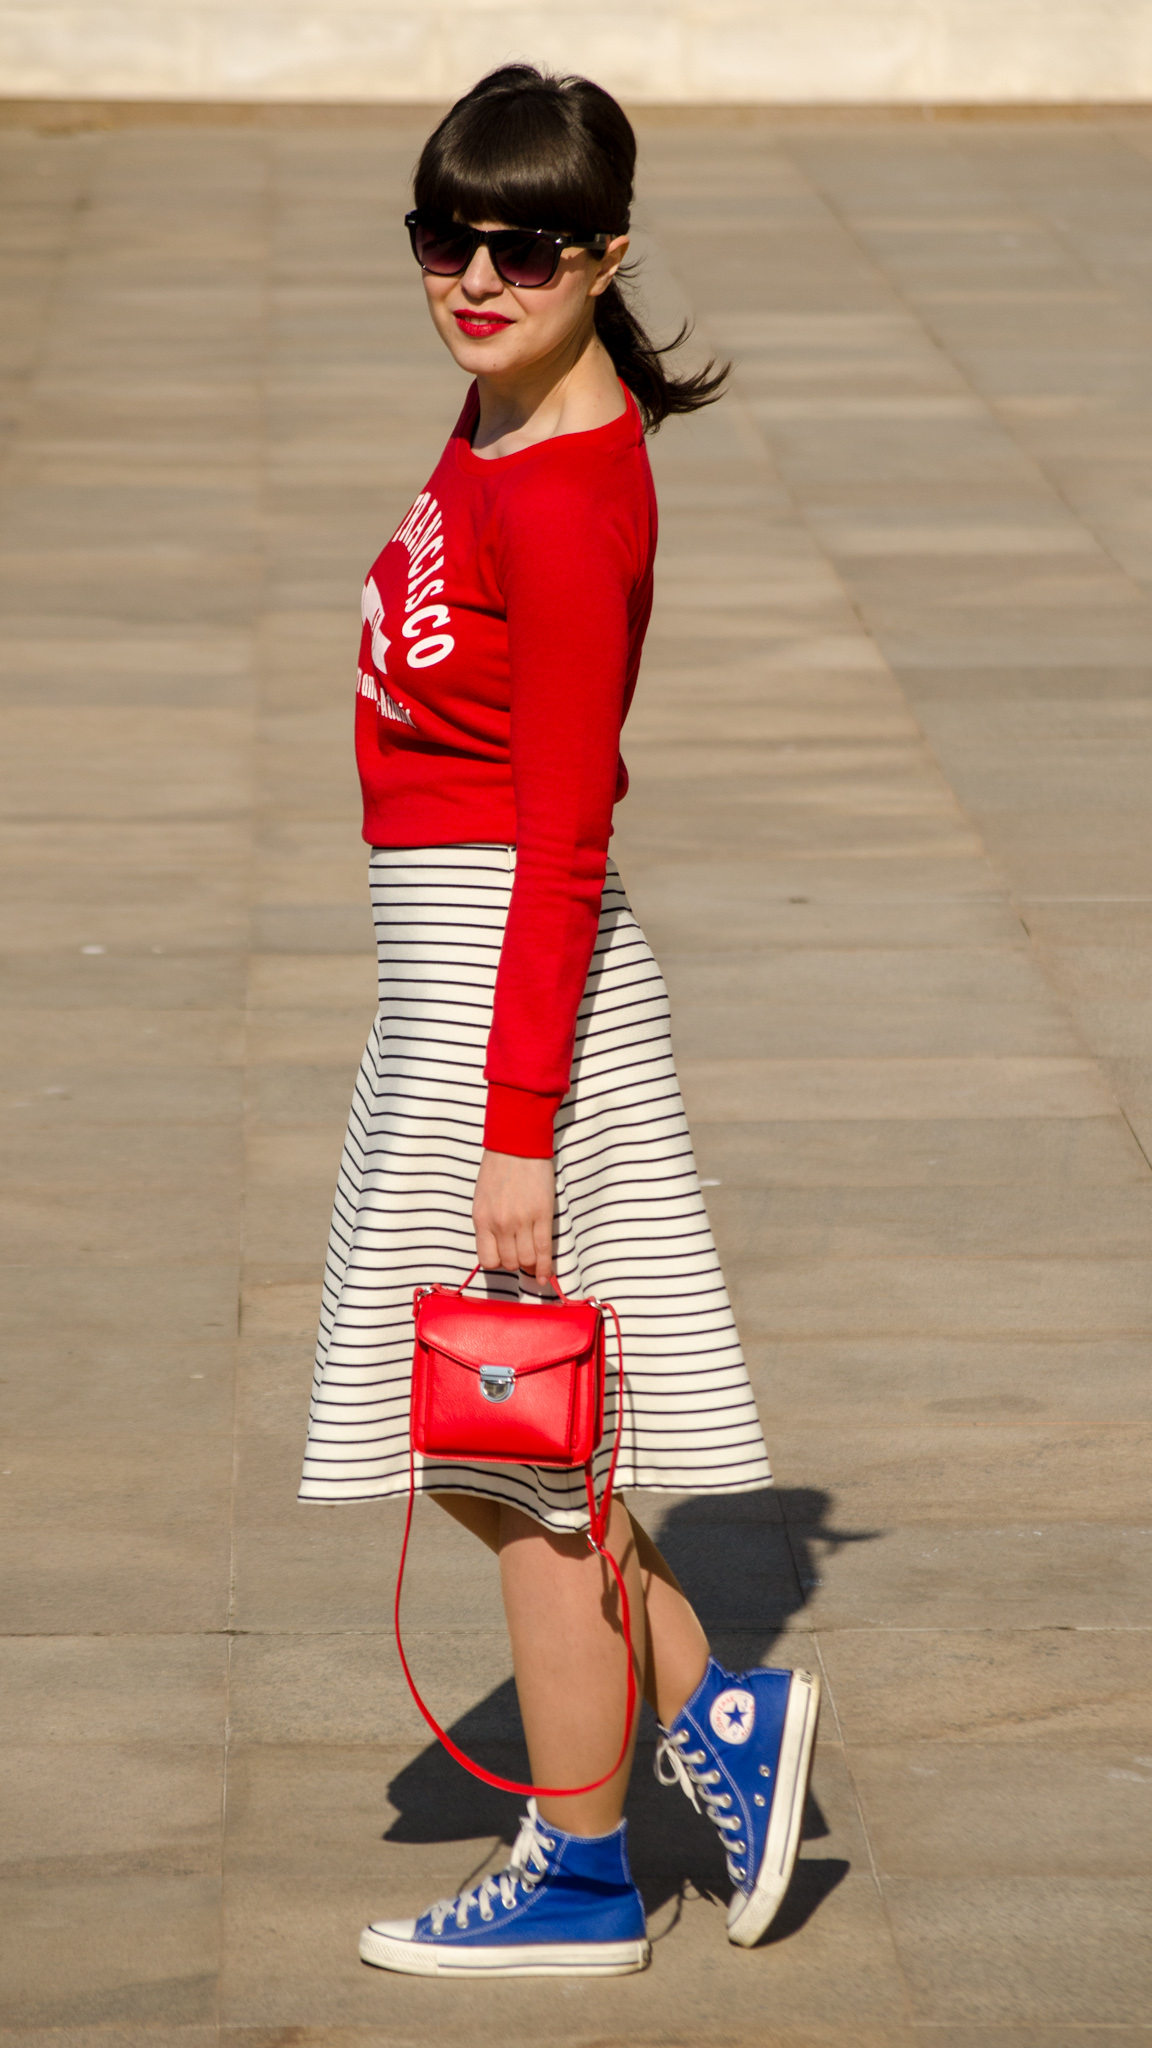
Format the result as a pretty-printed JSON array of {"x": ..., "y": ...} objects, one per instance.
[{"x": 518, "y": 1094}]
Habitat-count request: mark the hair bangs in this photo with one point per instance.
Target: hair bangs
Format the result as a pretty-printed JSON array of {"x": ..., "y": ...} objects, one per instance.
[{"x": 514, "y": 159}]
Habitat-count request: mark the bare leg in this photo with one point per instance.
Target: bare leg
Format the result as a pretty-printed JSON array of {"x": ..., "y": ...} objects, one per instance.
[
  {"x": 564, "y": 1624},
  {"x": 676, "y": 1651},
  {"x": 480, "y": 1517},
  {"x": 677, "y": 1645}
]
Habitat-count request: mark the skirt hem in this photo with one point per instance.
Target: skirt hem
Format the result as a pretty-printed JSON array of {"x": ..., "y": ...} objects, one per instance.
[{"x": 566, "y": 1521}]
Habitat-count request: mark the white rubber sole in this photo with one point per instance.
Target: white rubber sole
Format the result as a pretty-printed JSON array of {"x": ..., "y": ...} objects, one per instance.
[
  {"x": 539, "y": 1959},
  {"x": 749, "y": 1918}
]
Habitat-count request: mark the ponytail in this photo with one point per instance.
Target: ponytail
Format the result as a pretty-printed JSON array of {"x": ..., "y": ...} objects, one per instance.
[{"x": 639, "y": 363}]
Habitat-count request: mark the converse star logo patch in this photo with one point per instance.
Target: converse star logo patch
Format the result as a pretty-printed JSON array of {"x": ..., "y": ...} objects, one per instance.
[{"x": 732, "y": 1714}]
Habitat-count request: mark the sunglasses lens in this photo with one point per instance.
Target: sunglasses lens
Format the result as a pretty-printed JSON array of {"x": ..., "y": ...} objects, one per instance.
[
  {"x": 441, "y": 250},
  {"x": 525, "y": 260}
]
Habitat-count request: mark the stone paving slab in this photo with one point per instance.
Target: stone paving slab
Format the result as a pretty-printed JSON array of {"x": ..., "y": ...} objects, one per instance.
[{"x": 888, "y": 831}]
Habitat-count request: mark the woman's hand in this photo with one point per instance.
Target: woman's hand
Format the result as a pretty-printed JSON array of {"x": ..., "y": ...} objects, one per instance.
[{"x": 512, "y": 1211}]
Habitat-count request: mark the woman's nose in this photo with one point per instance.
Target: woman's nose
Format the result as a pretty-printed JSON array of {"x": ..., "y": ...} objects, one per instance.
[{"x": 481, "y": 280}]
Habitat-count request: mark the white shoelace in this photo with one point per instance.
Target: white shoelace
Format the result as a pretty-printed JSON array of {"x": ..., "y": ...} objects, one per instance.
[
  {"x": 526, "y": 1866},
  {"x": 685, "y": 1762}
]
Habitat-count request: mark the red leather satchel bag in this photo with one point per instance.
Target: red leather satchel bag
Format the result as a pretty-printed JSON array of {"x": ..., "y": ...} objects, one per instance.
[
  {"x": 510, "y": 1383},
  {"x": 507, "y": 1381}
]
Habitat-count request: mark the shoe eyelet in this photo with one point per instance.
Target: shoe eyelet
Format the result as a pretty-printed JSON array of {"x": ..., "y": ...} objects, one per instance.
[
  {"x": 765, "y": 1771},
  {"x": 758, "y": 1799}
]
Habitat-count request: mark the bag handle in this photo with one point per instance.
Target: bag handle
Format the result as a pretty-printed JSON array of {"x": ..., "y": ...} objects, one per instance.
[
  {"x": 553, "y": 1282},
  {"x": 597, "y": 1531}
]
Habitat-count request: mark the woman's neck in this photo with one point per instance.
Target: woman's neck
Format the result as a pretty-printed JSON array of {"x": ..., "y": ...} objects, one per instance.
[{"x": 547, "y": 399}]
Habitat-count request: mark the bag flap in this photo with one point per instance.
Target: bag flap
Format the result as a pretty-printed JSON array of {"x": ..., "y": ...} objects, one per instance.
[{"x": 476, "y": 1333}]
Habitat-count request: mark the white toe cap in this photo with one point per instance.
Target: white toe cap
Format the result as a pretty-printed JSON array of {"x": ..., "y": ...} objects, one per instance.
[{"x": 393, "y": 1930}]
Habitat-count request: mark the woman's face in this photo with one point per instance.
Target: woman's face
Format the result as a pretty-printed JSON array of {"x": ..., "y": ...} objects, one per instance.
[{"x": 496, "y": 329}]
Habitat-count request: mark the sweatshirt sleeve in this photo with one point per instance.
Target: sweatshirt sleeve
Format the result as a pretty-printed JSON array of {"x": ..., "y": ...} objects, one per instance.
[{"x": 567, "y": 564}]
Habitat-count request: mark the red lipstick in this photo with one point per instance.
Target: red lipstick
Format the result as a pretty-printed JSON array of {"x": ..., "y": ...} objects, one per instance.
[{"x": 477, "y": 325}]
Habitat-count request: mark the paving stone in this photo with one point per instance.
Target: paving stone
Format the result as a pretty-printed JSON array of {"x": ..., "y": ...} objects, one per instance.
[
  {"x": 136, "y": 1947},
  {"x": 156, "y": 2035},
  {"x": 851, "y": 1380},
  {"x": 927, "y": 1152},
  {"x": 944, "y": 1221},
  {"x": 286, "y": 1226},
  {"x": 1024, "y": 1950},
  {"x": 114, "y": 978},
  {"x": 996, "y": 1572},
  {"x": 743, "y": 1090},
  {"x": 314, "y": 1036},
  {"x": 290, "y": 981},
  {"x": 972, "y": 1297},
  {"x": 1050, "y": 2034},
  {"x": 300, "y": 1095},
  {"x": 130, "y": 1106},
  {"x": 122, "y": 1689},
  {"x": 1069, "y": 1688},
  {"x": 180, "y": 1040},
  {"x": 72, "y": 1803},
  {"x": 106, "y": 1542},
  {"x": 129, "y": 1385},
  {"x": 126, "y": 1225},
  {"x": 968, "y": 1474},
  {"x": 61, "y": 1146},
  {"x": 936, "y": 1811},
  {"x": 865, "y": 1000}
]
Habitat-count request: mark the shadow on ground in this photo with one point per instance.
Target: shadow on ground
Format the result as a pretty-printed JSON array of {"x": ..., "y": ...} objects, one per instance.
[{"x": 746, "y": 1572}]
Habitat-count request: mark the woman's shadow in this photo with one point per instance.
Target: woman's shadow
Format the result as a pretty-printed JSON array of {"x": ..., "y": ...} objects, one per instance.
[{"x": 747, "y": 1563}]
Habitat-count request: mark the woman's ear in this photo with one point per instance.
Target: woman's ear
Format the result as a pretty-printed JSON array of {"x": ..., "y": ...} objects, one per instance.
[{"x": 610, "y": 263}]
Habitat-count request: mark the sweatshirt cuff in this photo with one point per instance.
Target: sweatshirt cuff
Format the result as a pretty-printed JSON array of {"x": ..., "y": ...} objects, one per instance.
[{"x": 519, "y": 1122}]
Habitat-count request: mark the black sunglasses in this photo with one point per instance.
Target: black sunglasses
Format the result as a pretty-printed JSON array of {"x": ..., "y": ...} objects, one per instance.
[{"x": 525, "y": 257}]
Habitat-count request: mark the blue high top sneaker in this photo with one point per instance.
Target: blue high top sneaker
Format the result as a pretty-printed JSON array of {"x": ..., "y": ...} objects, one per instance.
[
  {"x": 743, "y": 1746},
  {"x": 565, "y": 1906}
]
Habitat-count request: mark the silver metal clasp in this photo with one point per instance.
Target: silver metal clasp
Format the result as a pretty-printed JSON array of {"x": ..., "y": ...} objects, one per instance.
[{"x": 497, "y": 1382}]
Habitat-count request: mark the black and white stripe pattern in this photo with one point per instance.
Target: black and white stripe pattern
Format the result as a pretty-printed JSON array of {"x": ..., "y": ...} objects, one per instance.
[{"x": 630, "y": 1221}]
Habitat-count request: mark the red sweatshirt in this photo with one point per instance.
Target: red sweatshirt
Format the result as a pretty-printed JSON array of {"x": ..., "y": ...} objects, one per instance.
[{"x": 503, "y": 625}]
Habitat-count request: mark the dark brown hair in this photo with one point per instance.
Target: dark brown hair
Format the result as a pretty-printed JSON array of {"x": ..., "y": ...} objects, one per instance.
[{"x": 543, "y": 152}]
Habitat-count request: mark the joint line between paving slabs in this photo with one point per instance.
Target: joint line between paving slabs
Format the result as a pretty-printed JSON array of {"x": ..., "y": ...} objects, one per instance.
[{"x": 905, "y": 1986}]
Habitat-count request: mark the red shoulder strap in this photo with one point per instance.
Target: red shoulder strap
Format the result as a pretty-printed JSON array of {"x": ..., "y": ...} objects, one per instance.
[{"x": 597, "y": 1531}]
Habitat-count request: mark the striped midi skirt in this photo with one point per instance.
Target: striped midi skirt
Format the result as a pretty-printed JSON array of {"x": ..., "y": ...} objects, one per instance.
[{"x": 630, "y": 1224}]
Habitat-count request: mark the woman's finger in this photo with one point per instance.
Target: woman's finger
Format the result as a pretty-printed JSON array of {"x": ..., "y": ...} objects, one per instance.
[
  {"x": 509, "y": 1249},
  {"x": 526, "y": 1248},
  {"x": 542, "y": 1244},
  {"x": 487, "y": 1249}
]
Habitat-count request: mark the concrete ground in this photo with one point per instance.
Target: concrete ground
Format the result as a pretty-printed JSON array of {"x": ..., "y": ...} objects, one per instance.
[{"x": 891, "y": 835}]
